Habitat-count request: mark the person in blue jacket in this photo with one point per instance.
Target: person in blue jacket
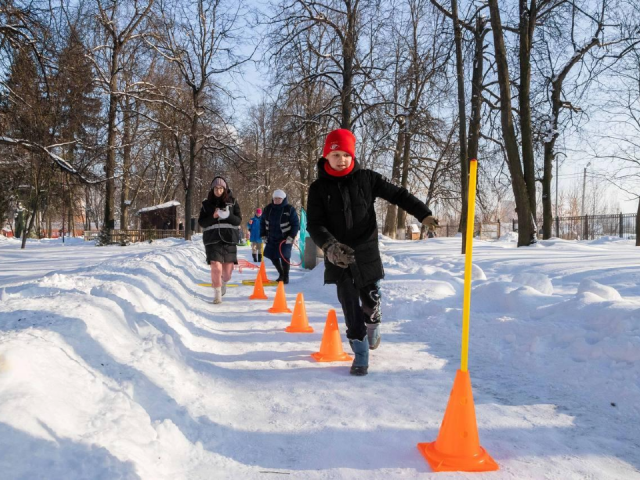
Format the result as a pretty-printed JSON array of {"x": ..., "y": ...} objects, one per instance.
[
  {"x": 254, "y": 235},
  {"x": 279, "y": 222}
]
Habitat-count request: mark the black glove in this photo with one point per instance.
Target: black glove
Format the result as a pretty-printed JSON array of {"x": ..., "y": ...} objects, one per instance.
[{"x": 339, "y": 254}]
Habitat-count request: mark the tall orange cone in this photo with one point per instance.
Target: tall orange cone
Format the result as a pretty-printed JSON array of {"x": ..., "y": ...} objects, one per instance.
[
  {"x": 280, "y": 302},
  {"x": 331, "y": 346},
  {"x": 457, "y": 448},
  {"x": 258, "y": 290},
  {"x": 299, "y": 319}
]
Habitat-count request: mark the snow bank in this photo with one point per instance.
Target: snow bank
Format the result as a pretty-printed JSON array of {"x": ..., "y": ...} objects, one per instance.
[
  {"x": 605, "y": 292},
  {"x": 539, "y": 282},
  {"x": 605, "y": 240}
]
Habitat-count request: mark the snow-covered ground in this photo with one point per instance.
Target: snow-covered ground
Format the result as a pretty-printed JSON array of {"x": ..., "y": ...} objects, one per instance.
[{"x": 114, "y": 365}]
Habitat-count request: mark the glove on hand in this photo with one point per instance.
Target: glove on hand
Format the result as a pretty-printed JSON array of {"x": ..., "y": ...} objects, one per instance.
[
  {"x": 339, "y": 254},
  {"x": 429, "y": 220},
  {"x": 289, "y": 240},
  {"x": 224, "y": 213}
]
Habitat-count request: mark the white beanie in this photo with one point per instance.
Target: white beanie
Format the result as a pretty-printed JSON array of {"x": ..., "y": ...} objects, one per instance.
[{"x": 279, "y": 194}]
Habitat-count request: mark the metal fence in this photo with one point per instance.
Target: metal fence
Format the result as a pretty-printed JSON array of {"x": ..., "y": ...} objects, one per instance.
[
  {"x": 485, "y": 230},
  {"x": 588, "y": 227},
  {"x": 591, "y": 227},
  {"x": 124, "y": 236}
]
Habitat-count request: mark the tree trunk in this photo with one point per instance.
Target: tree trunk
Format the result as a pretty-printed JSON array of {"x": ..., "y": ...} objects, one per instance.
[
  {"x": 70, "y": 222},
  {"x": 527, "y": 25},
  {"x": 638, "y": 225},
  {"x": 26, "y": 233},
  {"x": 348, "y": 55},
  {"x": 345, "y": 94},
  {"x": 549, "y": 156},
  {"x": 474, "y": 121},
  {"x": 406, "y": 157},
  {"x": 110, "y": 167},
  {"x": 126, "y": 167},
  {"x": 390, "y": 224},
  {"x": 462, "y": 125},
  {"x": 520, "y": 192},
  {"x": 193, "y": 144}
]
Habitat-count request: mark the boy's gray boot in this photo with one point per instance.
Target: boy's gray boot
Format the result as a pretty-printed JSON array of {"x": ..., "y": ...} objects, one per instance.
[
  {"x": 373, "y": 335},
  {"x": 360, "y": 365}
]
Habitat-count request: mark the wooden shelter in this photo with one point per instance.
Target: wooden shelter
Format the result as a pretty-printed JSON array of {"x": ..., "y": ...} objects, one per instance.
[{"x": 159, "y": 217}]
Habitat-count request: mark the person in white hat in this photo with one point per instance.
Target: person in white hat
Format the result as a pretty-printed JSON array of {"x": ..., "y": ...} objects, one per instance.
[{"x": 280, "y": 223}]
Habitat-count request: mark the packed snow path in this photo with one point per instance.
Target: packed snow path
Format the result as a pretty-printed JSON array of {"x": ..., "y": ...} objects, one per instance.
[{"x": 120, "y": 368}]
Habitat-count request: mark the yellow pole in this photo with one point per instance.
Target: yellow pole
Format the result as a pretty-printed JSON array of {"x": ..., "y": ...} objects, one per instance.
[{"x": 468, "y": 261}]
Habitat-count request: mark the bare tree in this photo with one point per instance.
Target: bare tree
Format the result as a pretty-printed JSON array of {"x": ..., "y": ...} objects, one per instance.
[
  {"x": 350, "y": 65},
  {"x": 120, "y": 23},
  {"x": 200, "y": 41},
  {"x": 556, "y": 79},
  {"x": 522, "y": 171},
  {"x": 468, "y": 145}
]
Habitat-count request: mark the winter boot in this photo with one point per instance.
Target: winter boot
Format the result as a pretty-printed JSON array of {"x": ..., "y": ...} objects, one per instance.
[
  {"x": 217, "y": 295},
  {"x": 223, "y": 288},
  {"x": 360, "y": 365},
  {"x": 285, "y": 272},
  {"x": 255, "y": 257},
  {"x": 259, "y": 257},
  {"x": 278, "y": 266},
  {"x": 373, "y": 335}
]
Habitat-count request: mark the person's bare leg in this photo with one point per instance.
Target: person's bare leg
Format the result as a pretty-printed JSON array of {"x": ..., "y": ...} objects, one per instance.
[
  {"x": 227, "y": 270},
  {"x": 216, "y": 281}
]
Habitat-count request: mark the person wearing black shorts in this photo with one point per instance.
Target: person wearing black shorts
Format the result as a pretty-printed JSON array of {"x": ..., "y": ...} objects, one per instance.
[{"x": 220, "y": 218}]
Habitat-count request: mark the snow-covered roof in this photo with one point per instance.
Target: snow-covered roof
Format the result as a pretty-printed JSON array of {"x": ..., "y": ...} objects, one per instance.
[
  {"x": 172, "y": 203},
  {"x": 415, "y": 228}
]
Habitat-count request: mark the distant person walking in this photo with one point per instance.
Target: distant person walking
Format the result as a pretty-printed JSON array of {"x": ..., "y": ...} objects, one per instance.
[
  {"x": 254, "y": 235},
  {"x": 220, "y": 218},
  {"x": 280, "y": 223}
]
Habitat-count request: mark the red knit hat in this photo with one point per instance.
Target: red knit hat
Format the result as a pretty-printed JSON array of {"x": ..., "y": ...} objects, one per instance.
[{"x": 341, "y": 139}]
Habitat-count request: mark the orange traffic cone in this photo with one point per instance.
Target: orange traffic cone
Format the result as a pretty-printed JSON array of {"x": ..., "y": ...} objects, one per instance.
[
  {"x": 299, "y": 319},
  {"x": 457, "y": 448},
  {"x": 331, "y": 346},
  {"x": 262, "y": 272},
  {"x": 258, "y": 290},
  {"x": 280, "y": 302}
]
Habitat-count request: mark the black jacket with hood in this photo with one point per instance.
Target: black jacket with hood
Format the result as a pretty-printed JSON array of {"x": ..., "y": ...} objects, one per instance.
[
  {"x": 216, "y": 230},
  {"x": 343, "y": 208}
]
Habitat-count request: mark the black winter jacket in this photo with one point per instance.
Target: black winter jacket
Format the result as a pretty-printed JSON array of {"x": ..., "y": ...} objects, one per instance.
[
  {"x": 216, "y": 230},
  {"x": 279, "y": 222},
  {"x": 343, "y": 208}
]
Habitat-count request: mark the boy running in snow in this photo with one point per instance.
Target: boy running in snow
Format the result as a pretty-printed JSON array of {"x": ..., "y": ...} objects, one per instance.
[{"x": 341, "y": 219}]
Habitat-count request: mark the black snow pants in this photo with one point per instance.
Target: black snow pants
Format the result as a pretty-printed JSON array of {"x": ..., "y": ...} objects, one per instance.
[{"x": 360, "y": 306}]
